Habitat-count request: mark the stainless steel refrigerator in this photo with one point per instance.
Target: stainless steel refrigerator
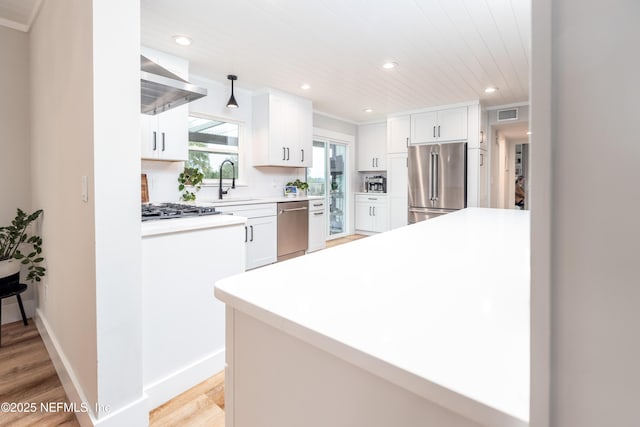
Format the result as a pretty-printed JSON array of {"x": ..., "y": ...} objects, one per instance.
[{"x": 437, "y": 180}]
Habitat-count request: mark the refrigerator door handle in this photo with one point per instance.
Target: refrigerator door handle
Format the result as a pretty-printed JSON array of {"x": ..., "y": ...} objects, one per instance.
[
  {"x": 431, "y": 177},
  {"x": 436, "y": 175}
]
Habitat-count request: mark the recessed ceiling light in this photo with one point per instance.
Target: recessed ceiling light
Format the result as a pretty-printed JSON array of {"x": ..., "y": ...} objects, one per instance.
[
  {"x": 389, "y": 65},
  {"x": 528, "y": 132},
  {"x": 305, "y": 87},
  {"x": 490, "y": 89},
  {"x": 182, "y": 40},
  {"x": 368, "y": 110}
]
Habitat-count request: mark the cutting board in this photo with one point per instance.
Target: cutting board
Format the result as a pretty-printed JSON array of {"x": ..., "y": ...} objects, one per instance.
[{"x": 144, "y": 189}]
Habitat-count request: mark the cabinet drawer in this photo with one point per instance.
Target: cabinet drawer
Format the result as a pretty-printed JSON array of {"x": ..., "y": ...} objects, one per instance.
[
  {"x": 316, "y": 205},
  {"x": 250, "y": 211},
  {"x": 365, "y": 198}
]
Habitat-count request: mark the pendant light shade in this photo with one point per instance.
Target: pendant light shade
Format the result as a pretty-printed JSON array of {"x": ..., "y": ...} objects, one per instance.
[{"x": 232, "y": 100}]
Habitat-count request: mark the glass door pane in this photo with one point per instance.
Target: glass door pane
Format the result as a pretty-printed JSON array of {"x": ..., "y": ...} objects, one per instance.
[
  {"x": 337, "y": 188},
  {"x": 317, "y": 174}
]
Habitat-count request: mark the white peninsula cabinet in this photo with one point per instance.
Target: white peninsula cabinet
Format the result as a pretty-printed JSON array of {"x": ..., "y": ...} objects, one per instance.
[
  {"x": 371, "y": 213},
  {"x": 282, "y": 130},
  {"x": 439, "y": 126},
  {"x": 372, "y": 147},
  {"x": 260, "y": 233}
]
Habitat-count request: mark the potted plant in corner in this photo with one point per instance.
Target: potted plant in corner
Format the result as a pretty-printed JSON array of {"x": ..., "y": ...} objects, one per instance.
[
  {"x": 190, "y": 177},
  {"x": 11, "y": 258},
  {"x": 300, "y": 185}
]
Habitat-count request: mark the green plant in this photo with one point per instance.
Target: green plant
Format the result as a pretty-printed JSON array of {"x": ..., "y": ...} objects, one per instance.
[
  {"x": 299, "y": 184},
  {"x": 191, "y": 177},
  {"x": 16, "y": 234}
]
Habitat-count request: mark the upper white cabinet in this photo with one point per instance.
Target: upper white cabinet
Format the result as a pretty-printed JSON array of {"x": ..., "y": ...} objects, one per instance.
[
  {"x": 398, "y": 134},
  {"x": 477, "y": 129},
  {"x": 165, "y": 136},
  {"x": 282, "y": 130},
  {"x": 372, "y": 147},
  {"x": 439, "y": 126}
]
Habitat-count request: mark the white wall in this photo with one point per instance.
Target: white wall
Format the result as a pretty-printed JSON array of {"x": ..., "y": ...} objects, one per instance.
[
  {"x": 84, "y": 122},
  {"x": 588, "y": 308},
  {"x": 15, "y": 162}
]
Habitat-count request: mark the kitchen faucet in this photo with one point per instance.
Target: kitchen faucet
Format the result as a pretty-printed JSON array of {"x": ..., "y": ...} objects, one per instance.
[{"x": 233, "y": 179}]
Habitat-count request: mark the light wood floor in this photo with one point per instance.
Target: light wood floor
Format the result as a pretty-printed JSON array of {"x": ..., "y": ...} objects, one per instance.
[{"x": 27, "y": 375}]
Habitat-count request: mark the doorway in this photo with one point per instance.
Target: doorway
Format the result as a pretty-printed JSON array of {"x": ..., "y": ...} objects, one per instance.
[
  {"x": 510, "y": 162},
  {"x": 328, "y": 178}
]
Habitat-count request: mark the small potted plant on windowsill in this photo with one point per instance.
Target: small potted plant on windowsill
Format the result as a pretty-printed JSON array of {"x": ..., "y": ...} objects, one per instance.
[
  {"x": 11, "y": 258},
  {"x": 190, "y": 178},
  {"x": 300, "y": 185}
]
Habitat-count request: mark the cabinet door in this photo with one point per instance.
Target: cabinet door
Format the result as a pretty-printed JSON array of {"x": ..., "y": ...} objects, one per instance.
[
  {"x": 148, "y": 136},
  {"x": 364, "y": 216},
  {"x": 173, "y": 134},
  {"x": 280, "y": 127},
  {"x": 424, "y": 127},
  {"x": 372, "y": 147},
  {"x": 262, "y": 236},
  {"x": 380, "y": 217},
  {"x": 397, "y": 190},
  {"x": 452, "y": 124},
  {"x": 317, "y": 227},
  {"x": 398, "y": 133},
  {"x": 305, "y": 134}
]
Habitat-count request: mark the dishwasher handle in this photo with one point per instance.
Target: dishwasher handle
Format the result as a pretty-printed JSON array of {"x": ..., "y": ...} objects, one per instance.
[{"x": 304, "y": 208}]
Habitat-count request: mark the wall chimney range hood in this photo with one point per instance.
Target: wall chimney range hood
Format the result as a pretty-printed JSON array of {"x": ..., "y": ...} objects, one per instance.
[{"x": 161, "y": 90}]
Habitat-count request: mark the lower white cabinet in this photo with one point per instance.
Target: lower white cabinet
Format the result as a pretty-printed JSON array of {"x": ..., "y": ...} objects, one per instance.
[
  {"x": 371, "y": 213},
  {"x": 261, "y": 232},
  {"x": 397, "y": 190},
  {"x": 317, "y": 225}
]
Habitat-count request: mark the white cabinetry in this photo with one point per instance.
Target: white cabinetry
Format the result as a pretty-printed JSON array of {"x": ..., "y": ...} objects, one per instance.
[
  {"x": 398, "y": 134},
  {"x": 477, "y": 178},
  {"x": 165, "y": 136},
  {"x": 282, "y": 130},
  {"x": 439, "y": 126},
  {"x": 261, "y": 232},
  {"x": 397, "y": 191},
  {"x": 372, "y": 147},
  {"x": 317, "y": 225},
  {"x": 371, "y": 213}
]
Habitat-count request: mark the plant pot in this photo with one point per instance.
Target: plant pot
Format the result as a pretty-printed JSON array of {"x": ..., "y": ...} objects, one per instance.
[{"x": 9, "y": 271}]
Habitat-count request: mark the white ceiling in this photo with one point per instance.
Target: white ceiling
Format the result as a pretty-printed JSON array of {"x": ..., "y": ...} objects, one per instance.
[
  {"x": 513, "y": 131},
  {"x": 448, "y": 51},
  {"x": 18, "y": 14}
]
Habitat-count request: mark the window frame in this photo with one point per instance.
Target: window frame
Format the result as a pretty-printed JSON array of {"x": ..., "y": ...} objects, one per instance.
[{"x": 222, "y": 149}]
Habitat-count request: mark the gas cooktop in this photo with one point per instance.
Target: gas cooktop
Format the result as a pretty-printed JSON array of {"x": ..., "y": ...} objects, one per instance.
[{"x": 174, "y": 210}]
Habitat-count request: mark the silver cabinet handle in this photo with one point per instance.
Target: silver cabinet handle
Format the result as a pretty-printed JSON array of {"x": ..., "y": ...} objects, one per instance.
[
  {"x": 373, "y": 162},
  {"x": 438, "y": 131},
  {"x": 369, "y": 210},
  {"x": 434, "y": 131},
  {"x": 407, "y": 141},
  {"x": 251, "y": 227},
  {"x": 304, "y": 208},
  {"x": 162, "y": 141},
  {"x": 155, "y": 140},
  {"x": 318, "y": 204},
  {"x": 372, "y": 198},
  {"x": 284, "y": 153},
  {"x": 481, "y": 159},
  {"x": 302, "y": 149},
  {"x": 374, "y": 211},
  {"x": 245, "y": 234},
  {"x": 319, "y": 213},
  {"x": 287, "y": 153}
]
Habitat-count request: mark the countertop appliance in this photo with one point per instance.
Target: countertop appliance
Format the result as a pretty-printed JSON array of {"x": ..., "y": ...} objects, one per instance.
[
  {"x": 437, "y": 180},
  {"x": 174, "y": 210},
  {"x": 375, "y": 184},
  {"x": 293, "y": 229}
]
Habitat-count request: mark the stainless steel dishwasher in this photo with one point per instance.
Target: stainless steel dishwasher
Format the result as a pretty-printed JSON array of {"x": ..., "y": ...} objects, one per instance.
[{"x": 293, "y": 229}]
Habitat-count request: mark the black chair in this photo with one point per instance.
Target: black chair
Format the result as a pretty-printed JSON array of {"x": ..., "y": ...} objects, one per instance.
[{"x": 11, "y": 286}]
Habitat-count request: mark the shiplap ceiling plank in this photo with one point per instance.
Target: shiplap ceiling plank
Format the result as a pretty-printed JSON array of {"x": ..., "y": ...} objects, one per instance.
[{"x": 18, "y": 14}]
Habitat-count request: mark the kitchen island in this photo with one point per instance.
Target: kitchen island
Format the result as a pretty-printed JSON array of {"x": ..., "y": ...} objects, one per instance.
[{"x": 423, "y": 325}]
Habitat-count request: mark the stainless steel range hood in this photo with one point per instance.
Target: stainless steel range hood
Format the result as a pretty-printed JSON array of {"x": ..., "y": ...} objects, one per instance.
[{"x": 162, "y": 90}]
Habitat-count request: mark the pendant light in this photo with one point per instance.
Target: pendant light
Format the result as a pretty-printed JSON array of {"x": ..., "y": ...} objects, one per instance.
[{"x": 232, "y": 100}]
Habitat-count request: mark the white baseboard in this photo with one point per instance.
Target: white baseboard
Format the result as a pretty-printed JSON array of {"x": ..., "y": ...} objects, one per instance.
[
  {"x": 11, "y": 312},
  {"x": 179, "y": 381},
  {"x": 135, "y": 414}
]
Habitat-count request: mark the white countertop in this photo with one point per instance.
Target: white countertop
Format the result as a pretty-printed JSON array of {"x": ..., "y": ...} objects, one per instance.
[
  {"x": 440, "y": 308},
  {"x": 177, "y": 225}
]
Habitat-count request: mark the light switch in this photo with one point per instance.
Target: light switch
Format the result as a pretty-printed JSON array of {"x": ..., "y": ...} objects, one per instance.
[{"x": 85, "y": 189}]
